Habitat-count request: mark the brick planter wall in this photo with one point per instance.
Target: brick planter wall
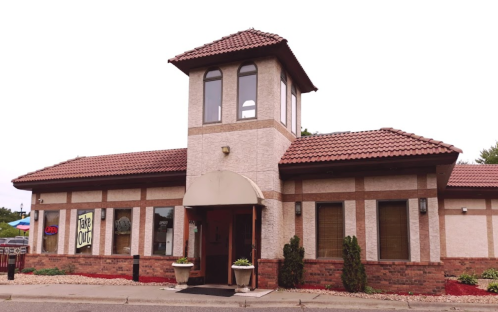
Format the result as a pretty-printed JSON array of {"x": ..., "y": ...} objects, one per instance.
[
  {"x": 114, "y": 265},
  {"x": 457, "y": 266},
  {"x": 419, "y": 277},
  {"x": 268, "y": 273}
]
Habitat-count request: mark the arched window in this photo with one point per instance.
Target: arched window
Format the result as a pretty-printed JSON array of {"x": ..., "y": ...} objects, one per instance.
[
  {"x": 212, "y": 96},
  {"x": 248, "y": 80},
  {"x": 283, "y": 98},
  {"x": 294, "y": 110}
]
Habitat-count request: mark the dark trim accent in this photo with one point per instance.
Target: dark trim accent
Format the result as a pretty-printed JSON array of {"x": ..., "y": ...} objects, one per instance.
[
  {"x": 110, "y": 204},
  {"x": 360, "y": 195},
  {"x": 238, "y": 87},
  {"x": 469, "y": 192}
]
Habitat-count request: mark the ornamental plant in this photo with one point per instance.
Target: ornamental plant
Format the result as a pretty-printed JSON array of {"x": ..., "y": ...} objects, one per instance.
[
  {"x": 469, "y": 279},
  {"x": 490, "y": 274},
  {"x": 242, "y": 262},
  {"x": 53, "y": 271},
  {"x": 183, "y": 260},
  {"x": 353, "y": 274},
  {"x": 291, "y": 272},
  {"x": 493, "y": 287}
]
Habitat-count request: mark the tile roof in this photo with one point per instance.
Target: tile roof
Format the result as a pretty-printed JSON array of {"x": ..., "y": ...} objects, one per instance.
[
  {"x": 474, "y": 176},
  {"x": 383, "y": 143},
  {"x": 242, "y": 40},
  {"x": 112, "y": 165}
]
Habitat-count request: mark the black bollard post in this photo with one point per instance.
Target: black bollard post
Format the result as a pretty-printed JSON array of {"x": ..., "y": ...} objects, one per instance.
[
  {"x": 11, "y": 267},
  {"x": 136, "y": 267}
]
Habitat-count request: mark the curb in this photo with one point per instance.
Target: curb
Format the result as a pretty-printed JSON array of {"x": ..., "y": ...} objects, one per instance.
[
  {"x": 443, "y": 306},
  {"x": 5, "y": 296},
  {"x": 82, "y": 299}
]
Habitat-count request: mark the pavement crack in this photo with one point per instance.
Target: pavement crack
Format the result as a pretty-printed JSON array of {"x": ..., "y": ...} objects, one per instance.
[
  {"x": 126, "y": 302},
  {"x": 316, "y": 297},
  {"x": 408, "y": 303}
]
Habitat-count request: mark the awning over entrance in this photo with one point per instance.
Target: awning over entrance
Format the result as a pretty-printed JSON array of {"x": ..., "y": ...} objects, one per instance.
[{"x": 223, "y": 188}]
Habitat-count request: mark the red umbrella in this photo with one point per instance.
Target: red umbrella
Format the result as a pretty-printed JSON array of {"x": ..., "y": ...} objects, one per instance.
[{"x": 23, "y": 227}]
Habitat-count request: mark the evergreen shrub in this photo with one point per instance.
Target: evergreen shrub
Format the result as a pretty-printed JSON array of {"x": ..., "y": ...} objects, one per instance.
[
  {"x": 353, "y": 275},
  {"x": 291, "y": 272}
]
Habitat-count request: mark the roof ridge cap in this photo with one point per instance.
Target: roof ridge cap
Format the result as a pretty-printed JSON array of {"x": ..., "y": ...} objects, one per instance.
[
  {"x": 48, "y": 167},
  {"x": 127, "y": 153},
  {"x": 421, "y": 138}
]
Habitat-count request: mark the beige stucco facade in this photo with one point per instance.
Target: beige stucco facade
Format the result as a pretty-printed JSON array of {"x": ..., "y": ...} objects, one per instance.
[{"x": 466, "y": 236}]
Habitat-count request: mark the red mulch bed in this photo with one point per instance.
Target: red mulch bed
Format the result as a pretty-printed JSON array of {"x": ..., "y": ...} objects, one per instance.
[
  {"x": 143, "y": 279},
  {"x": 452, "y": 287},
  {"x": 455, "y": 288}
]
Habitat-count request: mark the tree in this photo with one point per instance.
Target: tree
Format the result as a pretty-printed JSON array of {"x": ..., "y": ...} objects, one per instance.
[
  {"x": 6, "y": 215},
  {"x": 353, "y": 275},
  {"x": 489, "y": 156},
  {"x": 291, "y": 272},
  {"x": 8, "y": 231},
  {"x": 305, "y": 132}
]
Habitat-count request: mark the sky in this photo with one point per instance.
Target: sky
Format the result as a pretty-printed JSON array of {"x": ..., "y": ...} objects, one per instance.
[{"x": 85, "y": 78}]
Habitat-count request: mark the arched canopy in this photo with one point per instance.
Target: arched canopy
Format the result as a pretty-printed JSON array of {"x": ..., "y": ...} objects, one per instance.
[{"x": 223, "y": 188}]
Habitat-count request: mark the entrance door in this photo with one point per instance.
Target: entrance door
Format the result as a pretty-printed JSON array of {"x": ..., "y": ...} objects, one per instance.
[{"x": 217, "y": 246}]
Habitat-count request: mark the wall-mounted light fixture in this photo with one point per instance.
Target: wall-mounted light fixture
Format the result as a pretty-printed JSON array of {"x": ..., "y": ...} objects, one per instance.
[
  {"x": 102, "y": 214},
  {"x": 299, "y": 208},
  {"x": 225, "y": 150},
  {"x": 464, "y": 209},
  {"x": 422, "y": 205},
  {"x": 36, "y": 215},
  {"x": 40, "y": 201}
]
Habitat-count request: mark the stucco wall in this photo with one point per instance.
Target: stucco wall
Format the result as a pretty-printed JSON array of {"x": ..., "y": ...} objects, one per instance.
[
  {"x": 350, "y": 217},
  {"x": 329, "y": 185},
  {"x": 61, "y": 234},
  {"x": 39, "y": 236},
  {"x": 494, "y": 204},
  {"x": 96, "y": 231},
  {"x": 468, "y": 203},
  {"x": 54, "y": 198},
  {"x": 414, "y": 229},
  {"x": 309, "y": 230},
  {"x": 434, "y": 237},
  {"x": 289, "y": 221},
  {"x": 289, "y": 187},
  {"x": 466, "y": 236},
  {"x": 272, "y": 230},
  {"x": 86, "y": 196},
  {"x": 371, "y": 230},
  {"x": 172, "y": 192},
  {"x": 135, "y": 231},
  {"x": 122, "y": 195},
  {"x": 72, "y": 232},
  {"x": 149, "y": 224},
  {"x": 109, "y": 227},
  {"x": 390, "y": 183},
  {"x": 33, "y": 198},
  {"x": 178, "y": 231}
]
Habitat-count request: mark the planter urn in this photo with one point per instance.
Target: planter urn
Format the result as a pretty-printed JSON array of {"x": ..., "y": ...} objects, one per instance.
[
  {"x": 182, "y": 273},
  {"x": 242, "y": 277}
]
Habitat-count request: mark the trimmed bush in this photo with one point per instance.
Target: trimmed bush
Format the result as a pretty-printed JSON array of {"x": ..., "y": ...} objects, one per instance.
[
  {"x": 27, "y": 270},
  {"x": 490, "y": 274},
  {"x": 353, "y": 275},
  {"x": 493, "y": 287},
  {"x": 183, "y": 260},
  {"x": 291, "y": 272},
  {"x": 242, "y": 262},
  {"x": 53, "y": 271},
  {"x": 468, "y": 279}
]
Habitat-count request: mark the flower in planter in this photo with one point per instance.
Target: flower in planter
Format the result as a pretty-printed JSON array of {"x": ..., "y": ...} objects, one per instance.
[
  {"x": 183, "y": 260},
  {"x": 242, "y": 262}
]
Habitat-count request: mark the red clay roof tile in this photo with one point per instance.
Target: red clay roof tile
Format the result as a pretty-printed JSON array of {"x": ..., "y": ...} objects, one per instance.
[
  {"x": 474, "y": 176},
  {"x": 242, "y": 40},
  {"x": 386, "y": 142},
  {"x": 112, "y": 165}
]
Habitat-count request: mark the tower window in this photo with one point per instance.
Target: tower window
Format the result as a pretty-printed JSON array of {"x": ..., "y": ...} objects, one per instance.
[
  {"x": 283, "y": 98},
  {"x": 212, "y": 96},
  {"x": 294, "y": 110},
  {"x": 247, "y": 90}
]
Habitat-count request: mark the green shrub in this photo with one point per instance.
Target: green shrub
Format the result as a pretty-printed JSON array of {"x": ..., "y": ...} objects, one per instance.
[
  {"x": 27, "y": 270},
  {"x": 291, "y": 272},
  {"x": 183, "y": 260},
  {"x": 353, "y": 275},
  {"x": 370, "y": 290},
  {"x": 493, "y": 287},
  {"x": 490, "y": 274},
  {"x": 53, "y": 271},
  {"x": 69, "y": 268},
  {"x": 468, "y": 279},
  {"x": 242, "y": 262}
]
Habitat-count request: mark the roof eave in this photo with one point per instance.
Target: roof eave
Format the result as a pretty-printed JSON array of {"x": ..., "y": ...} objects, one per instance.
[
  {"x": 280, "y": 50},
  {"x": 118, "y": 181}
]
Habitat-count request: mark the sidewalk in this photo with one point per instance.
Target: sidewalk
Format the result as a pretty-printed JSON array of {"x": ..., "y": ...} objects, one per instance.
[{"x": 154, "y": 295}]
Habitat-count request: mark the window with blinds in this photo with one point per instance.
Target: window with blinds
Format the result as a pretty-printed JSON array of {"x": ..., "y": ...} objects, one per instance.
[
  {"x": 393, "y": 230},
  {"x": 330, "y": 230}
]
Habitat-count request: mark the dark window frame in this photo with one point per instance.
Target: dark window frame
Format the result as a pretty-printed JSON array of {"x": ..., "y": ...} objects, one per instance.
[
  {"x": 293, "y": 94},
  {"x": 173, "y": 235},
  {"x": 76, "y": 237},
  {"x": 239, "y": 74},
  {"x": 114, "y": 228},
  {"x": 204, "y": 95},
  {"x": 317, "y": 238},
  {"x": 407, "y": 207},
  {"x": 283, "y": 78}
]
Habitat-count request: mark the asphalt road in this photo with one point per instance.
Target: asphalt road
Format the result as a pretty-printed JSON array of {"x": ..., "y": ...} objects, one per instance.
[{"x": 15, "y": 306}]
